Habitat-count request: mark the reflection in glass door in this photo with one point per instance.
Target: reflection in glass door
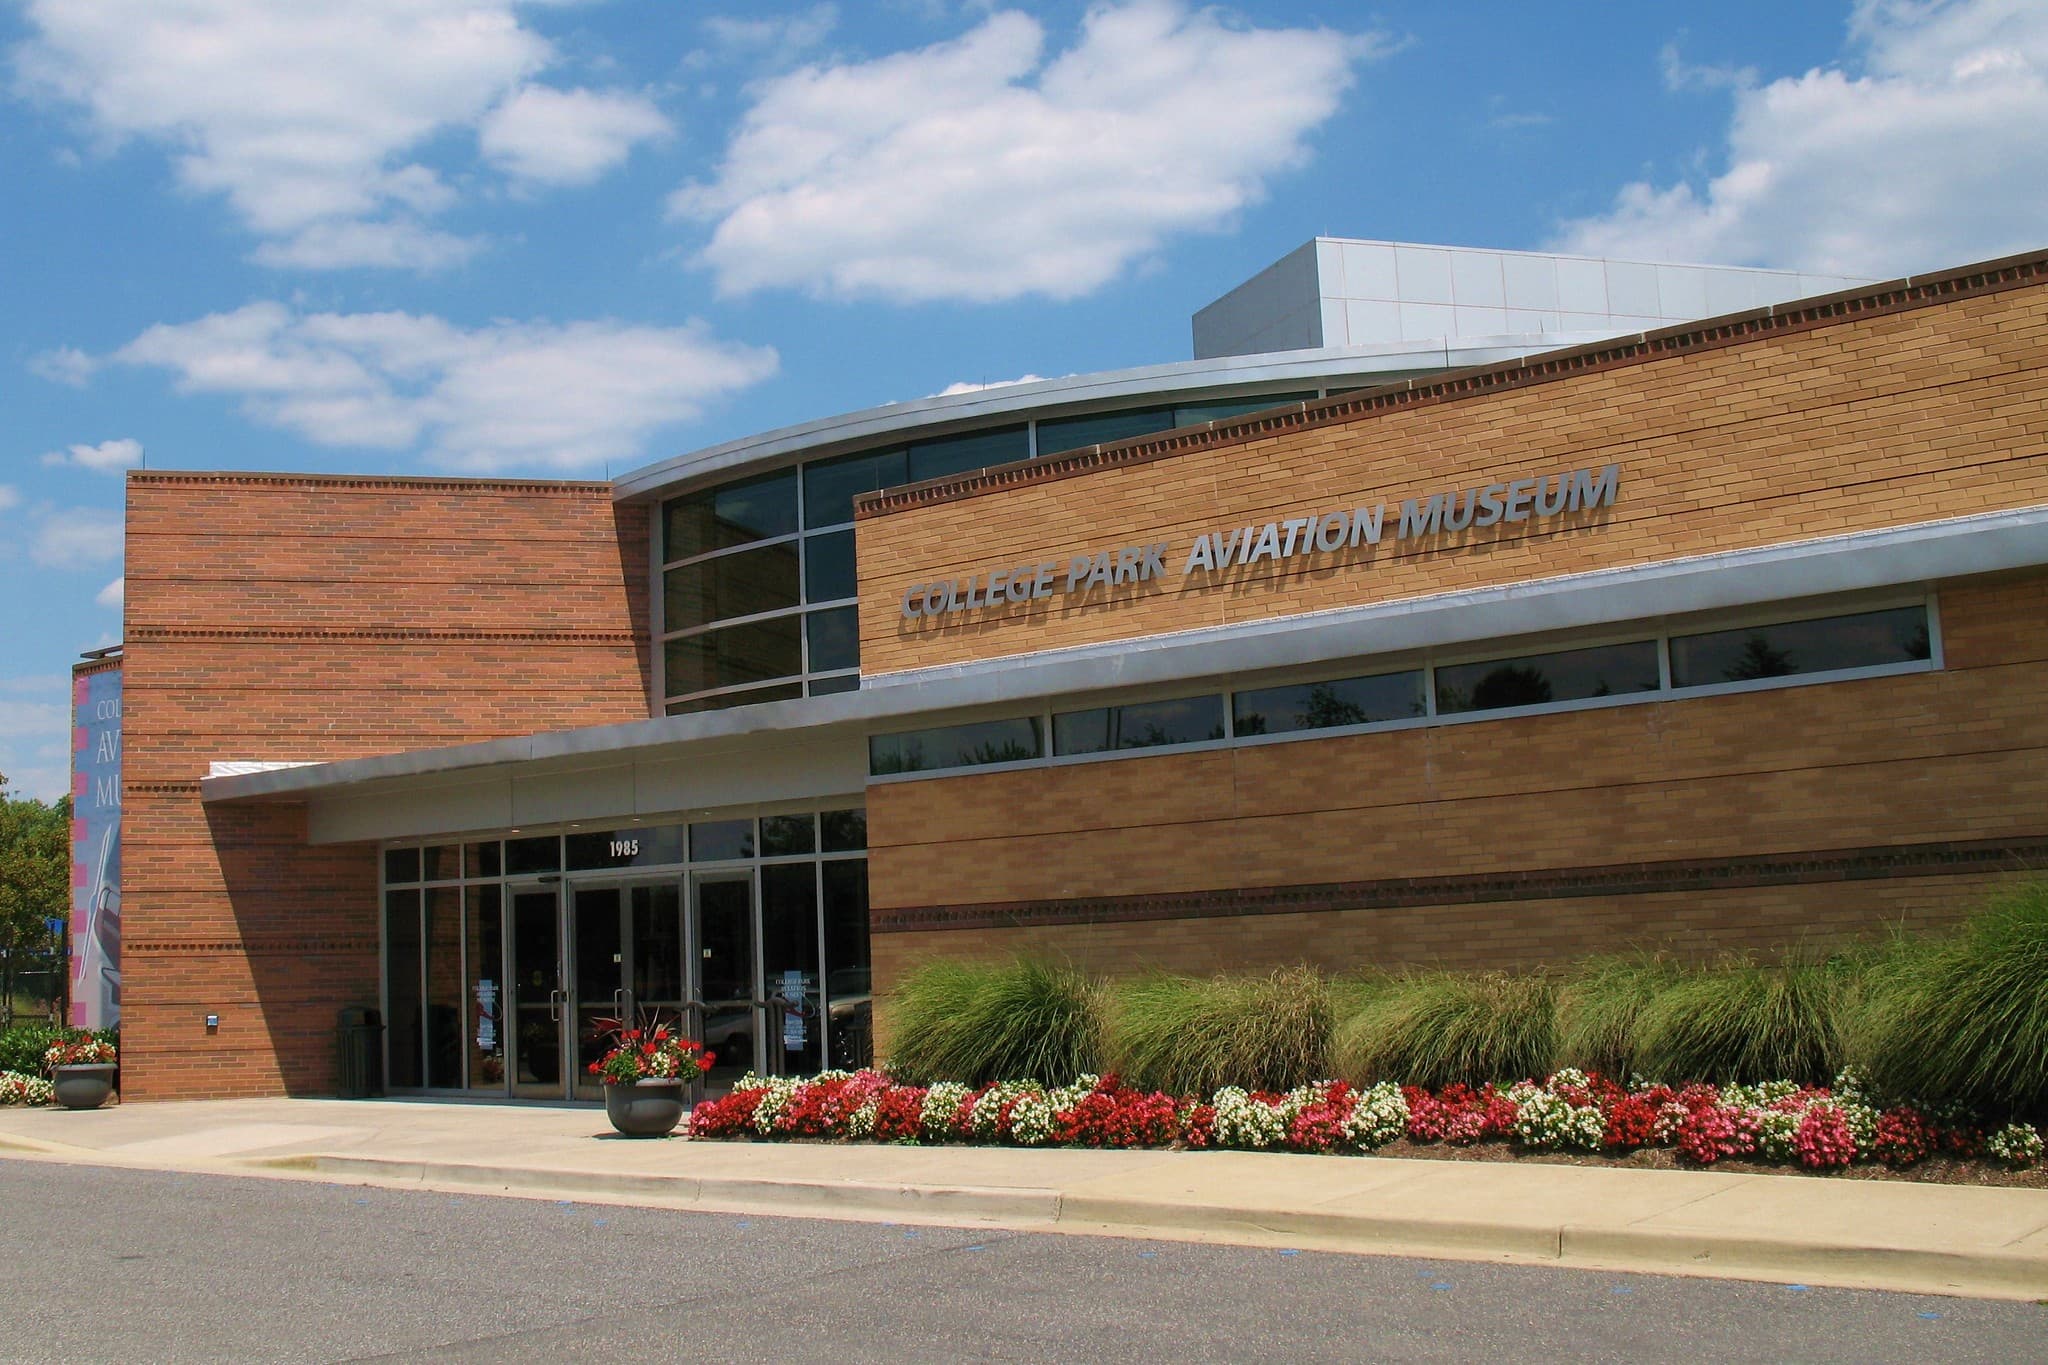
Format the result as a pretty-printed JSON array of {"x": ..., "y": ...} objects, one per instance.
[
  {"x": 534, "y": 1064},
  {"x": 722, "y": 918},
  {"x": 628, "y": 966}
]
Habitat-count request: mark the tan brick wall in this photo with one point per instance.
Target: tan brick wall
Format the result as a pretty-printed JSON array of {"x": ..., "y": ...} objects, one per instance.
[
  {"x": 1955, "y": 756},
  {"x": 322, "y": 618},
  {"x": 1855, "y": 424}
]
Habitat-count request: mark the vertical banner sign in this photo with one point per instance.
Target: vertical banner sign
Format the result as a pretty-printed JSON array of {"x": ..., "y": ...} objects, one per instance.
[{"x": 96, "y": 849}]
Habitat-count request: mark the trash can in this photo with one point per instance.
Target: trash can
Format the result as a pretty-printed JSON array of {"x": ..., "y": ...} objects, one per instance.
[{"x": 360, "y": 1037}]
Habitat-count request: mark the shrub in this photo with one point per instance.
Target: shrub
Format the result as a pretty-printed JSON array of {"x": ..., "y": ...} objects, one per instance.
[
  {"x": 22, "y": 1046},
  {"x": 1600, "y": 1007},
  {"x": 1190, "y": 1035},
  {"x": 1739, "y": 1021},
  {"x": 978, "y": 1023},
  {"x": 1436, "y": 1029},
  {"x": 1963, "y": 1019}
]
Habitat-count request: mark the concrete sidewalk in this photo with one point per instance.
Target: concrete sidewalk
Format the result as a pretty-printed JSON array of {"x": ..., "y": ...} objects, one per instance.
[{"x": 1857, "y": 1233}]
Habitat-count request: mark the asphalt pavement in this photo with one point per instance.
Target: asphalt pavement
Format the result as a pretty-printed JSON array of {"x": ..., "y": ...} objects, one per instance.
[{"x": 107, "y": 1264}]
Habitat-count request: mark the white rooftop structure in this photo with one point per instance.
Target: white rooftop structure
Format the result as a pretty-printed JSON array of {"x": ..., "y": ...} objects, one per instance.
[{"x": 1343, "y": 292}]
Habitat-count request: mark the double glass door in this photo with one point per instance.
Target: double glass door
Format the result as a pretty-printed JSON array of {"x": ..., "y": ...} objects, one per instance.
[{"x": 585, "y": 956}]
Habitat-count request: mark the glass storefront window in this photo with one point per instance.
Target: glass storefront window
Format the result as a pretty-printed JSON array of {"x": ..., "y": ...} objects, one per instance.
[
  {"x": 759, "y": 651},
  {"x": 1325, "y": 705},
  {"x": 542, "y": 853},
  {"x": 401, "y": 865},
  {"x": 714, "y": 841},
  {"x": 845, "y": 831},
  {"x": 1540, "y": 679},
  {"x": 720, "y": 518},
  {"x": 742, "y": 584},
  {"x": 441, "y": 863},
  {"x": 789, "y": 963},
  {"x": 484, "y": 993},
  {"x": 482, "y": 860},
  {"x": 783, "y": 835},
  {"x": 442, "y": 940},
  {"x": 404, "y": 1009},
  {"x": 849, "y": 989}
]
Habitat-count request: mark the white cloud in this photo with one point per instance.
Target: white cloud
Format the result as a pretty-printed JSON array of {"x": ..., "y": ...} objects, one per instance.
[
  {"x": 115, "y": 594},
  {"x": 76, "y": 538},
  {"x": 35, "y": 735},
  {"x": 970, "y": 386},
  {"x": 506, "y": 395},
  {"x": 307, "y": 118},
  {"x": 972, "y": 169},
  {"x": 8, "y": 497},
  {"x": 1925, "y": 152},
  {"x": 782, "y": 33},
  {"x": 568, "y": 137},
  {"x": 65, "y": 365},
  {"x": 106, "y": 457}
]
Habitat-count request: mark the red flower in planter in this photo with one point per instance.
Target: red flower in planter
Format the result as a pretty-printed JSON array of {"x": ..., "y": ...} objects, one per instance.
[{"x": 1904, "y": 1136}]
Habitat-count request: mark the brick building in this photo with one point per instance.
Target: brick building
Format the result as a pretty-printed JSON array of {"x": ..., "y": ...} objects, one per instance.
[{"x": 1488, "y": 645}]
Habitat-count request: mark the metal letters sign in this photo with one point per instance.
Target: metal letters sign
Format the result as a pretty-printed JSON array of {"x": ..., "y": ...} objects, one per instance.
[{"x": 1323, "y": 532}]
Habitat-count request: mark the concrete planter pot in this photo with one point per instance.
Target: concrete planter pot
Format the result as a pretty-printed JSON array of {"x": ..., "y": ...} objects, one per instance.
[
  {"x": 85, "y": 1086},
  {"x": 648, "y": 1108}
]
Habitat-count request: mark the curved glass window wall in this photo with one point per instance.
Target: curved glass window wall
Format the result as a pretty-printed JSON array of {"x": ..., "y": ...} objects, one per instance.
[{"x": 758, "y": 592}]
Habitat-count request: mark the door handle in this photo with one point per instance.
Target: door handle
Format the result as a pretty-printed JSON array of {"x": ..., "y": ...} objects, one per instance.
[
  {"x": 619, "y": 1009},
  {"x": 556, "y": 999}
]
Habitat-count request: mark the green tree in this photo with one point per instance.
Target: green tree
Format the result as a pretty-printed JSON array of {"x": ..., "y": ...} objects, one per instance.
[{"x": 35, "y": 881}]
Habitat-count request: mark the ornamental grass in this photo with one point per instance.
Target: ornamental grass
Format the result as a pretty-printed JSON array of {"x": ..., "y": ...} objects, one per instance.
[
  {"x": 1738, "y": 1020},
  {"x": 1600, "y": 1007},
  {"x": 1963, "y": 1018},
  {"x": 977, "y": 1022},
  {"x": 1192, "y": 1035},
  {"x": 1450, "y": 1028}
]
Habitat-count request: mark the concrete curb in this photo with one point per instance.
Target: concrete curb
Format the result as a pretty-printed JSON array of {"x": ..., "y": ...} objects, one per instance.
[
  {"x": 1989, "y": 1273},
  {"x": 975, "y": 1203}
]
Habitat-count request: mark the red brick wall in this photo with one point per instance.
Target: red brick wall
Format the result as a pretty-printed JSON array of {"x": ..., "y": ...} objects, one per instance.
[{"x": 311, "y": 617}]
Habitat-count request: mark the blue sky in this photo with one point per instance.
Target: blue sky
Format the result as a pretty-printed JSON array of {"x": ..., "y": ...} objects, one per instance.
[{"x": 567, "y": 237}]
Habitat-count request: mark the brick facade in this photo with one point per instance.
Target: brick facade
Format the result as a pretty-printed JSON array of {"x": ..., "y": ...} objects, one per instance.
[
  {"x": 1816, "y": 425},
  {"x": 1737, "y": 822},
  {"x": 306, "y": 617}
]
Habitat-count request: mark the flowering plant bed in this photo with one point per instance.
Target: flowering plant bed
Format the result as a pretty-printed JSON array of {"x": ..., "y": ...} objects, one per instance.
[
  {"x": 1778, "y": 1123},
  {"x": 18, "y": 1088}
]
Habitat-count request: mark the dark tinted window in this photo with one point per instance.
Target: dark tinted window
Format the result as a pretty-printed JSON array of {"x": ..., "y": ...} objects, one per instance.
[
  {"x": 717, "y": 518},
  {"x": 1864, "y": 640},
  {"x": 441, "y": 863},
  {"x": 1100, "y": 428},
  {"x": 845, "y": 682},
  {"x": 835, "y": 638},
  {"x": 730, "y": 585},
  {"x": 482, "y": 860},
  {"x": 731, "y": 655},
  {"x": 784, "y": 834},
  {"x": 848, "y": 978},
  {"x": 973, "y": 450},
  {"x": 828, "y": 567},
  {"x": 830, "y": 485},
  {"x": 717, "y": 840},
  {"x": 957, "y": 746},
  {"x": 401, "y": 864},
  {"x": 722, "y": 701},
  {"x": 845, "y": 831},
  {"x": 540, "y": 854},
  {"x": 405, "y": 1019},
  {"x": 633, "y": 846},
  {"x": 1322, "y": 705},
  {"x": 1189, "y": 414},
  {"x": 1535, "y": 679},
  {"x": 1139, "y": 725}
]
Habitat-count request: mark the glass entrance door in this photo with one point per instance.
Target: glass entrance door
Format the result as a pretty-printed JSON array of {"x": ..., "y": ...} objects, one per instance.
[
  {"x": 727, "y": 978},
  {"x": 628, "y": 966},
  {"x": 534, "y": 1047}
]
